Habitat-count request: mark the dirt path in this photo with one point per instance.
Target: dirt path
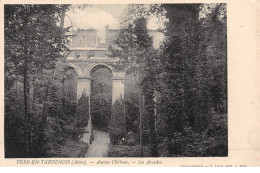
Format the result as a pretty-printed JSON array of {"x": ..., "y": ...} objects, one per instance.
[
  {"x": 100, "y": 145},
  {"x": 85, "y": 137}
]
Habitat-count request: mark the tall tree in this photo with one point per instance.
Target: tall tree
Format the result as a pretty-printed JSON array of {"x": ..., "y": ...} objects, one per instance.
[
  {"x": 214, "y": 48},
  {"x": 133, "y": 45},
  {"x": 33, "y": 41},
  {"x": 192, "y": 64},
  {"x": 179, "y": 60}
]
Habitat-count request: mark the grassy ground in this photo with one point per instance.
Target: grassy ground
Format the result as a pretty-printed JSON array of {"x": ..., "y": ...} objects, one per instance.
[
  {"x": 127, "y": 151},
  {"x": 135, "y": 151},
  {"x": 219, "y": 119},
  {"x": 70, "y": 149}
]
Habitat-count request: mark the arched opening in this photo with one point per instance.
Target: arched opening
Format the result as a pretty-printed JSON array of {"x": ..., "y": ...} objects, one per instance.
[
  {"x": 101, "y": 96},
  {"x": 76, "y": 68}
]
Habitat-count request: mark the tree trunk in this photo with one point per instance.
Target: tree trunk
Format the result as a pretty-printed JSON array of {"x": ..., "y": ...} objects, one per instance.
[
  {"x": 140, "y": 124},
  {"x": 63, "y": 79},
  {"x": 153, "y": 127},
  {"x": 63, "y": 94},
  {"x": 140, "y": 113},
  {"x": 45, "y": 107},
  {"x": 26, "y": 117},
  {"x": 62, "y": 17}
]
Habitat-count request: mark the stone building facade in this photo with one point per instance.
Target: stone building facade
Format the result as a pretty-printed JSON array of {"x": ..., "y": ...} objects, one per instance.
[{"x": 90, "y": 51}]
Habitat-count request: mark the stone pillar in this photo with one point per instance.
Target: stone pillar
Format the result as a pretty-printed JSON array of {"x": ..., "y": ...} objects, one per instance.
[
  {"x": 83, "y": 85},
  {"x": 118, "y": 87}
]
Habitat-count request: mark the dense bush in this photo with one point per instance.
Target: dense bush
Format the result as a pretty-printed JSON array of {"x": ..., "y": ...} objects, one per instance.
[
  {"x": 117, "y": 122},
  {"x": 193, "y": 81},
  {"x": 210, "y": 142}
]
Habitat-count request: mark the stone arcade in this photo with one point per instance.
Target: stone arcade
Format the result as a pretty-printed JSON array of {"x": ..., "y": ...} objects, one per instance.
[
  {"x": 89, "y": 52},
  {"x": 84, "y": 67}
]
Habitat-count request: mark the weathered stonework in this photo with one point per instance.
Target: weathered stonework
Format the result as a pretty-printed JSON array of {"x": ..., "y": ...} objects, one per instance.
[{"x": 88, "y": 53}]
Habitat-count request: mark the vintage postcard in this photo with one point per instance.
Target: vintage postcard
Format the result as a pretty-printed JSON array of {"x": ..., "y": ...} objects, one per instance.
[{"x": 130, "y": 83}]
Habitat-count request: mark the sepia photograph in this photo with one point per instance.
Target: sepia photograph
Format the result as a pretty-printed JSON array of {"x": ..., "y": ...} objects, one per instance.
[{"x": 115, "y": 80}]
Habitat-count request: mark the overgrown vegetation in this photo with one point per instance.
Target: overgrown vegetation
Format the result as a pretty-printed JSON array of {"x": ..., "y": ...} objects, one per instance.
[
  {"x": 41, "y": 113},
  {"x": 101, "y": 98},
  {"x": 183, "y": 84},
  {"x": 117, "y": 122},
  {"x": 175, "y": 103}
]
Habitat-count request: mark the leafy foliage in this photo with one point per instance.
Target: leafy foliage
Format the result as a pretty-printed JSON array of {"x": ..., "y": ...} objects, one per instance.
[
  {"x": 31, "y": 31},
  {"x": 101, "y": 98},
  {"x": 133, "y": 46},
  {"x": 210, "y": 142},
  {"x": 82, "y": 113},
  {"x": 176, "y": 106},
  {"x": 182, "y": 85},
  {"x": 39, "y": 110},
  {"x": 193, "y": 80}
]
